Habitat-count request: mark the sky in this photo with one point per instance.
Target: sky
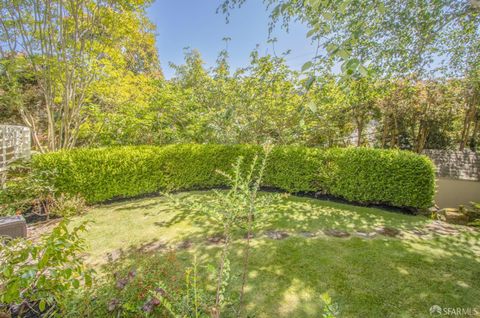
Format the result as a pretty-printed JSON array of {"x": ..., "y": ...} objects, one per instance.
[{"x": 195, "y": 24}]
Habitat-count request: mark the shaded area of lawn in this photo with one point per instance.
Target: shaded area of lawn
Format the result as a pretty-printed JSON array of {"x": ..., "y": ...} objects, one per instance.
[{"x": 377, "y": 277}]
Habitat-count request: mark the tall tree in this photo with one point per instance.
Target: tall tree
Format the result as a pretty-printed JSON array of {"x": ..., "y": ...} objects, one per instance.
[
  {"x": 70, "y": 45},
  {"x": 395, "y": 37}
]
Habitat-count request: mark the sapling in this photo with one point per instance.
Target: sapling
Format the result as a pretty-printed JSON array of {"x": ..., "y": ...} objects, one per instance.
[{"x": 237, "y": 208}]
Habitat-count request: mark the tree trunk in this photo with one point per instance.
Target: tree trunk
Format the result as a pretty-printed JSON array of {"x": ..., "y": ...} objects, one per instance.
[
  {"x": 359, "y": 132},
  {"x": 466, "y": 128}
]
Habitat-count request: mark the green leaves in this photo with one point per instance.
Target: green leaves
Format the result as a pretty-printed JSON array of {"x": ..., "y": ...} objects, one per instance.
[
  {"x": 397, "y": 178},
  {"x": 46, "y": 269},
  {"x": 312, "y": 106},
  {"x": 307, "y": 66},
  {"x": 309, "y": 82},
  {"x": 350, "y": 66}
]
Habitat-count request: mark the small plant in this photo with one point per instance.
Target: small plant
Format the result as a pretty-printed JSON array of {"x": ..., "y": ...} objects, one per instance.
[
  {"x": 27, "y": 190},
  {"x": 473, "y": 214},
  {"x": 66, "y": 205},
  {"x": 234, "y": 210},
  {"x": 193, "y": 303},
  {"x": 240, "y": 207},
  {"x": 36, "y": 277},
  {"x": 330, "y": 309}
]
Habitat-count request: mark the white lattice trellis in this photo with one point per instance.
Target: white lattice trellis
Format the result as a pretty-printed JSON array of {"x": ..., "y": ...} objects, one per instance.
[{"x": 15, "y": 144}]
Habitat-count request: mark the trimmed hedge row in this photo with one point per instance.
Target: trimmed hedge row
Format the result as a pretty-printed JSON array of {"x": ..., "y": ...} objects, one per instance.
[{"x": 392, "y": 177}]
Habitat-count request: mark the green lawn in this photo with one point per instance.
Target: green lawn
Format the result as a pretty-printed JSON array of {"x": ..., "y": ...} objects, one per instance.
[{"x": 367, "y": 277}]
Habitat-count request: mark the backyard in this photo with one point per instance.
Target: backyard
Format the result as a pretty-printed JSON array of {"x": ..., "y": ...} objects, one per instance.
[
  {"x": 239, "y": 158},
  {"x": 303, "y": 248}
]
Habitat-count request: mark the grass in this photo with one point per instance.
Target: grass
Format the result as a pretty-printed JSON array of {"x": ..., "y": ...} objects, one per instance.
[{"x": 367, "y": 277}]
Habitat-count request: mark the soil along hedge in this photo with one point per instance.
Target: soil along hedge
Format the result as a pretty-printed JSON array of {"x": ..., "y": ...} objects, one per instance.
[{"x": 392, "y": 177}]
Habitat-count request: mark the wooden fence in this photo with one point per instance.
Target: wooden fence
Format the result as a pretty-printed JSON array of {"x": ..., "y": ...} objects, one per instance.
[{"x": 15, "y": 144}]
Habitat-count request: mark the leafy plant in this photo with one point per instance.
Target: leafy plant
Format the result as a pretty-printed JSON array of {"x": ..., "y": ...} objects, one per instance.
[
  {"x": 65, "y": 205},
  {"x": 27, "y": 190},
  {"x": 330, "y": 309},
  {"x": 239, "y": 207},
  {"x": 36, "y": 277},
  {"x": 392, "y": 177},
  {"x": 473, "y": 214},
  {"x": 235, "y": 209}
]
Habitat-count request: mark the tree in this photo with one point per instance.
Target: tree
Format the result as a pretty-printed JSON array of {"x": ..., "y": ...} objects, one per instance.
[
  {"x": 461, "y": 42},
  {"x": 327, "y": 117},
  {"x": 396, "y": 38},
  {"x": 70, "y": 45},
  {"x": 362, "y": 97}
]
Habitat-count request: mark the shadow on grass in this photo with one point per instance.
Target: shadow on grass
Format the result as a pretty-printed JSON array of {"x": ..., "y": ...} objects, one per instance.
[
  {"x": 379, "y": 277},
  {"x": 369, "y": 278}
]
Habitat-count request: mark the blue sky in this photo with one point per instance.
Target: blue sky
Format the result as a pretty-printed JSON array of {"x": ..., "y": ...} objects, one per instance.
[{"x": 194, "y": 24}]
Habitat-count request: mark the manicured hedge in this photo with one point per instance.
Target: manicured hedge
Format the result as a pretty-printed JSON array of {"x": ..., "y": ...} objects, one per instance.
[{"x": 392, "y": 177}]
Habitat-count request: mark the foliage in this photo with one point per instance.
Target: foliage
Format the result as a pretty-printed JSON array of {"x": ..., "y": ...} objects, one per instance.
[
  {"x": 129, "y": 291},
  {"x": 27, "y": 190},
  {"x": 36, "y": 277},
  {"x": 427, "y": 40},
  {"x": 413, "y": 78},
  {"x": 473, "y": 214},
  {"x": 392, "y": 177},
  {"x": 395, "y": 39},
  {"x": 364, "y": 276},
  {"x": 266, "y": 100},
  {"x": 65, "y": 205},
  {"x": 330, "y": 309},
  {"x": 75, "y": 55}
]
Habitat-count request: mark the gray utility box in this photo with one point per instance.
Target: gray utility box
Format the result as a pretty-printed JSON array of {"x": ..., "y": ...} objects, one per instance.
[{"x": 13, "y": 226}]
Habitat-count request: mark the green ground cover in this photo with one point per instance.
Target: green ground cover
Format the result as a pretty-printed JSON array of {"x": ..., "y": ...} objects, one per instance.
[{"x": 379, "y": 276}]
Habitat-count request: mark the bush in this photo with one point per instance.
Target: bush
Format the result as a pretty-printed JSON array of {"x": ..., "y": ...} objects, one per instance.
[
  {"x": 36, "y": 276},
  {"x": 66, "y": 205},
  {"x": 391, "y": 177},
  {"x": 27, "y": 190}
]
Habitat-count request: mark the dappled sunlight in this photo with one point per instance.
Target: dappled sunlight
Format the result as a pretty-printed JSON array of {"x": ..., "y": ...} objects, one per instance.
[
  {"x": 464, "y": 244},
  {"x": 297, "y": 296},
  {"x": 287, "y": 274},
  {"x": 307, "y": 215}
]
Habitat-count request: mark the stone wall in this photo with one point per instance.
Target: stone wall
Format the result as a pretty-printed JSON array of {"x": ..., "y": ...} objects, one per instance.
[{"x": 460, "y": 165}]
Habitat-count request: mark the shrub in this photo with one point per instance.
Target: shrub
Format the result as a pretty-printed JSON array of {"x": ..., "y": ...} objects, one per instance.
[
  {"x": 391, "y": 177},
  {"x": 27, "y": 189},
  {"x": 35, "y": 277},
  {"x": 66, "y": 205}
]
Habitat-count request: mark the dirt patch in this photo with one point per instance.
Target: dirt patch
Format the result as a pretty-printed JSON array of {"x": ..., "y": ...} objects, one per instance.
[
  {"x": 277, "y": 235},
  {"x": 336, "y": 233},
  {"x": 36, "y": 230},
  {"x": 185, "y": 245},
  {"x": 419, "y": 233},
  {"x": 114, "y": 255},
  {"x": 388, "y": 231},
  {"x": 152, "y": 246},
  {"x": 216, "y": 239}
]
